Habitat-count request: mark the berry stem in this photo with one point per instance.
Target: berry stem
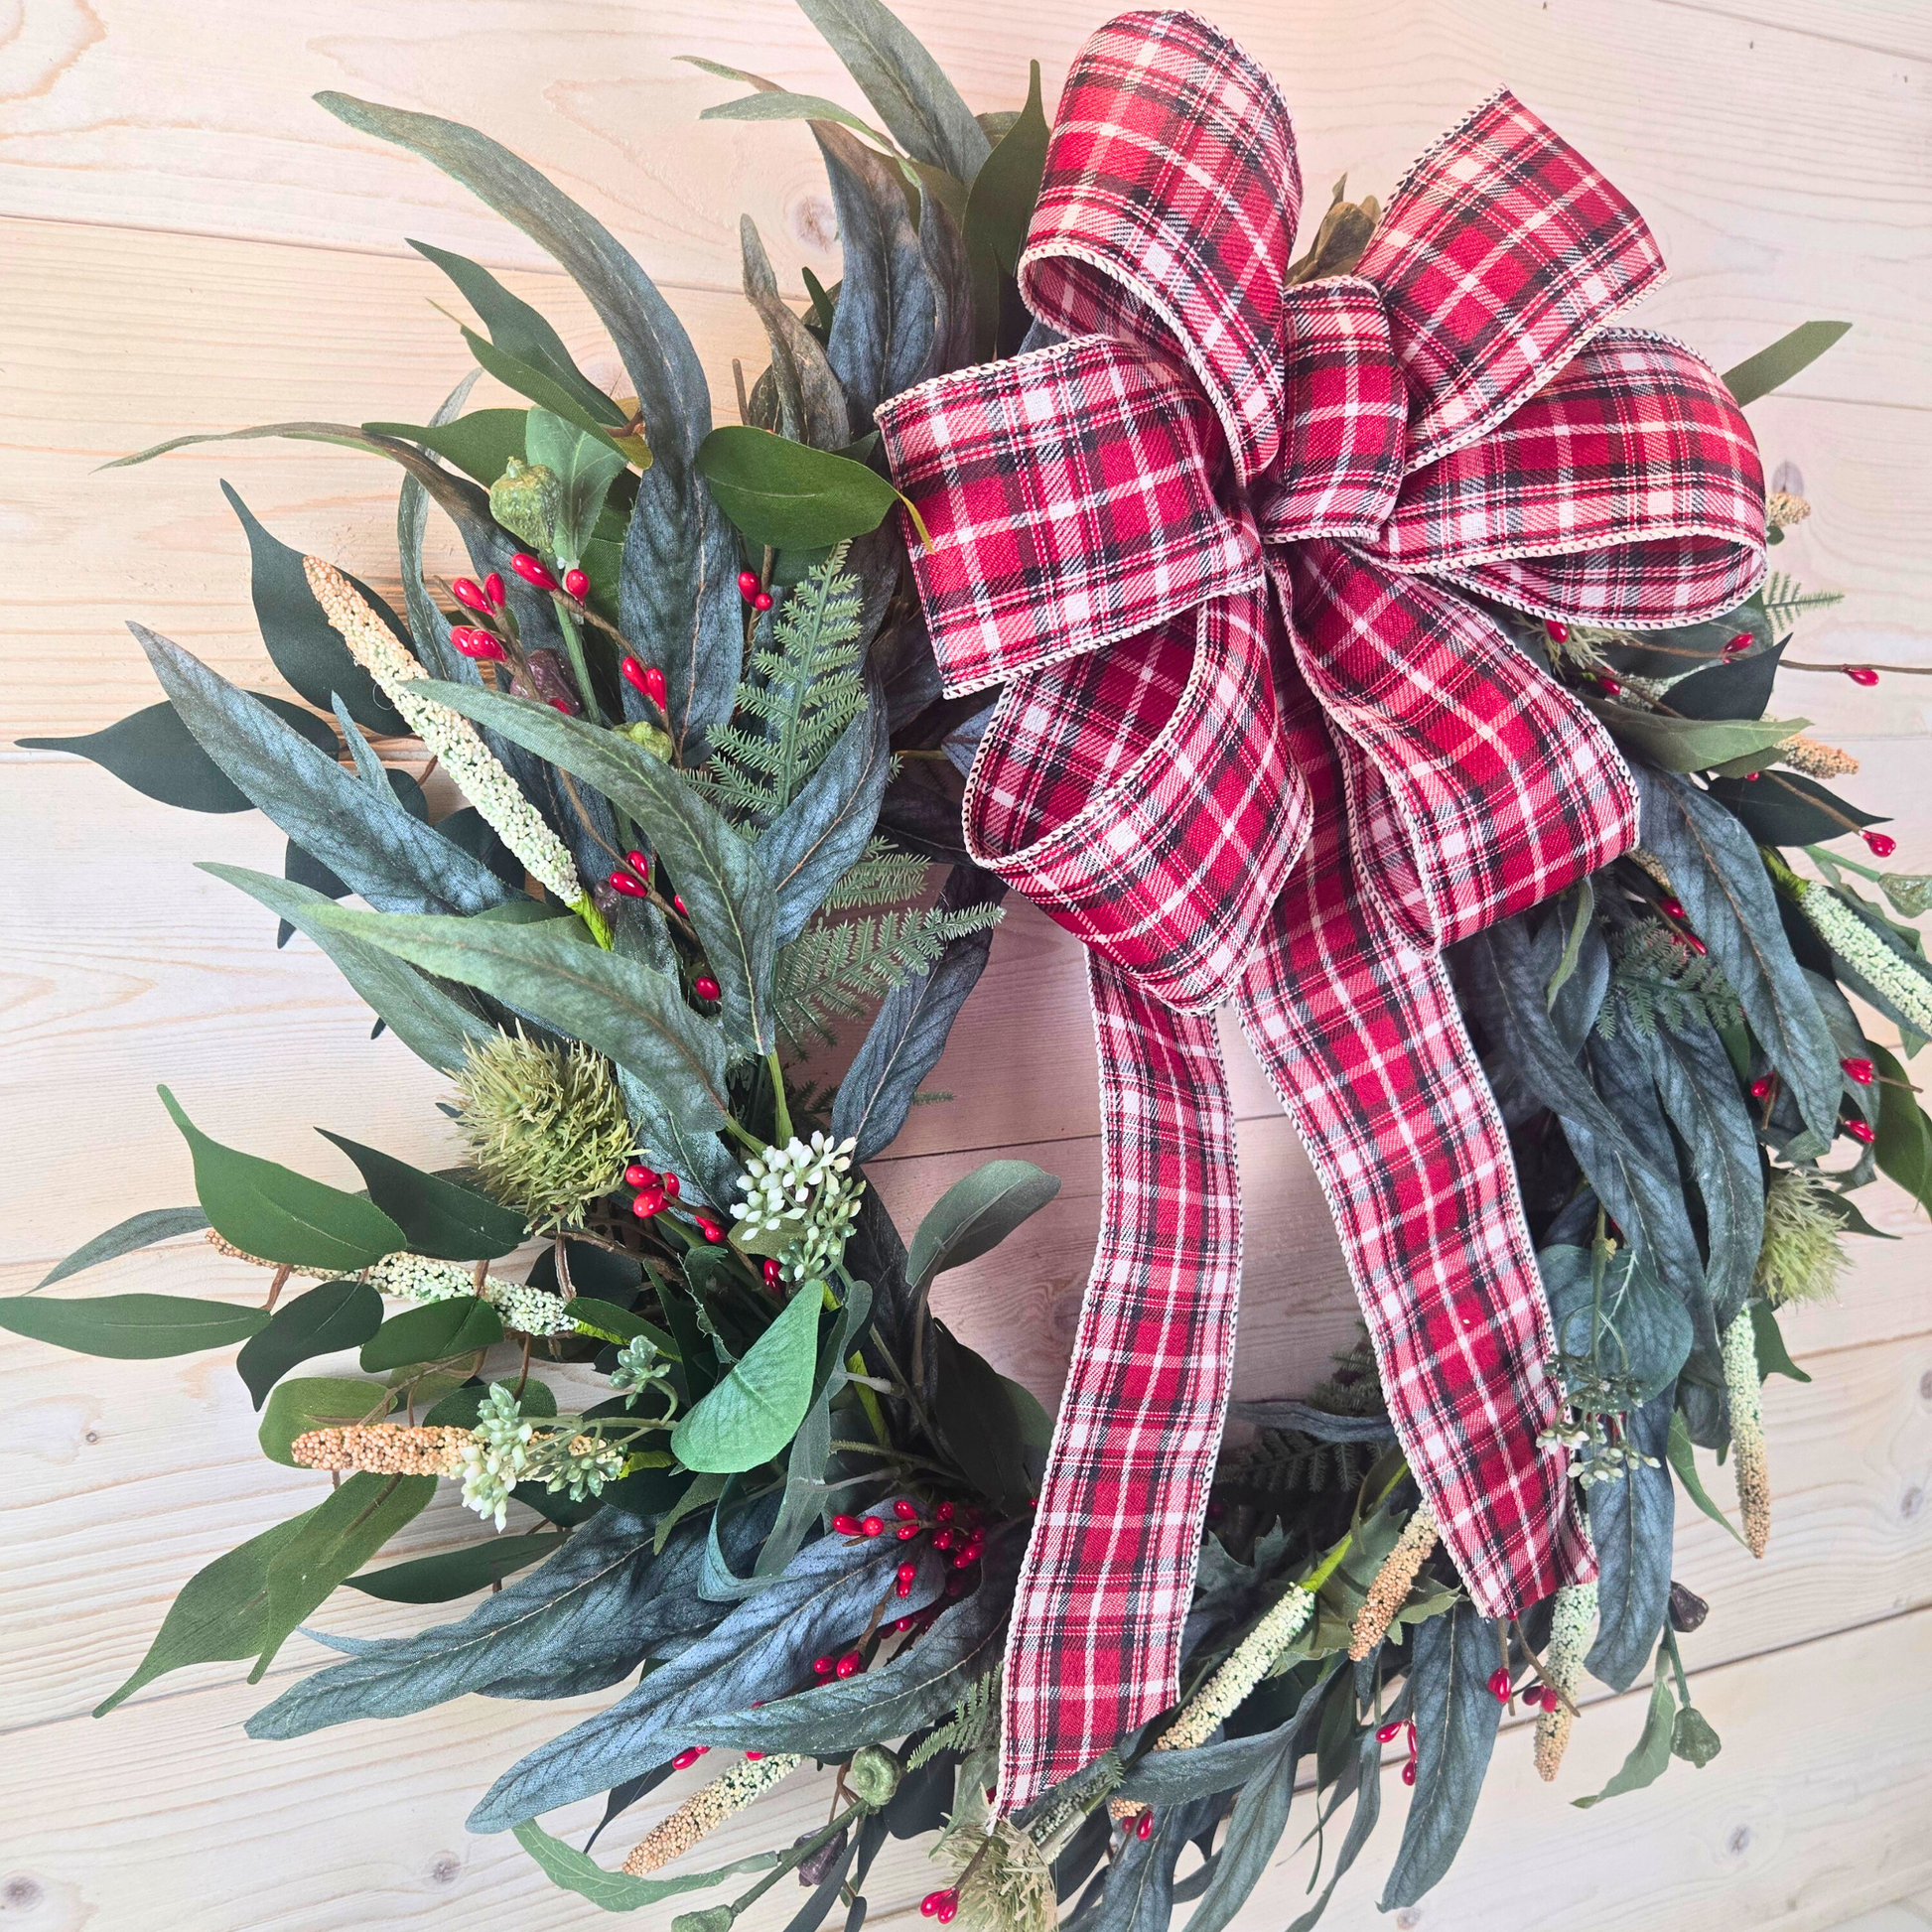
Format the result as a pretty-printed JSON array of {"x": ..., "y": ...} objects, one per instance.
[{"x": 780, "y": 1110}]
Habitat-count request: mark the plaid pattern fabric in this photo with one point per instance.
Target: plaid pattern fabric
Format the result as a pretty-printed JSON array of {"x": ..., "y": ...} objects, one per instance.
[{"x": 1297, "y": 786}]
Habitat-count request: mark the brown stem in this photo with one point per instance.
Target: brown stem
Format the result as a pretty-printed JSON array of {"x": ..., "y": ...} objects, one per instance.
[
  {"x": 275, "y": 1288},
  {"x": 1901, "y": 670}
]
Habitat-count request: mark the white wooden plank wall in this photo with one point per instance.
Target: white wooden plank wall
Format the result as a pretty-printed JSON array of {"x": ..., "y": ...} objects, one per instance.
[{"x": 187, "y": 244}]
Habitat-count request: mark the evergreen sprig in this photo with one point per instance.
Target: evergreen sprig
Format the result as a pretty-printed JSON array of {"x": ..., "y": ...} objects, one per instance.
[
  {"x": 1656, "y": 979},
  {"x": 1785, "y": 600}
]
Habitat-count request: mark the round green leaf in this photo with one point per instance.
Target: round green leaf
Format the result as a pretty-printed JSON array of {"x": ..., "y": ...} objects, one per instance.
[
  {"x": 756, "y": 1409},
  {"x": 317, "y": 1401},
  {"x": 458, "y": 1326},
  {"x": 788, "y": 494},
  {"x": 130, "y": 1328}
]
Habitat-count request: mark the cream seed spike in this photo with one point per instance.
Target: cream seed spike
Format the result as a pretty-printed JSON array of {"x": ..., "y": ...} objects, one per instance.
[
  {"x": 1570, "y": 1630},
  {"x": 384, "y": 1448},
  {"x": 1860, "y": 948},
  {"x": 1745, "y": 1389},
  {"x": 1224, "y": 1693},
  {"x": 704, "y": 1811},
  {"x": 472, "y": 766}
]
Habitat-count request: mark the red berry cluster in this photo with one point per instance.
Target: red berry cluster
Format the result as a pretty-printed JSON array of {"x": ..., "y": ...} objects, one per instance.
[
  {"x": 942, "y": 1905},
  {"x": 487, "y": 600},
  {"x": 753, "y": 591},
  {"x": 1537, "y": 1694}
]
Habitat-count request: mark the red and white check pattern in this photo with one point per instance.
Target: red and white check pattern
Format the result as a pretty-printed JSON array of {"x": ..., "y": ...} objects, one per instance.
[{"x": 1253, "y": 744}]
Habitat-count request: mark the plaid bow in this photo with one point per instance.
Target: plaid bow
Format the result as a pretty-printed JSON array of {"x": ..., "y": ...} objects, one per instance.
[{"x": 1228, "y": 550}]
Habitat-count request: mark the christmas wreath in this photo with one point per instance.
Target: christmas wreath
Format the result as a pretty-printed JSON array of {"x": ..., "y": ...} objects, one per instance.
[{"x": 1379, "y": 639}]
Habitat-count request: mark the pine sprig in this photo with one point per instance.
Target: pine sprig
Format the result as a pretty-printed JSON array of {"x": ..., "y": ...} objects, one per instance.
[
  {"x": 1785, "y": 600},
  {"x": 1656, "y": 979},
  {"x": 803, "y": 687}
]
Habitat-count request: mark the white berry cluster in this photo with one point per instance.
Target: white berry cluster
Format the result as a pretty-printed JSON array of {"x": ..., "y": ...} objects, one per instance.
[
  {"x": 800, "y": 1202},
  {"x": 497, "y": 1455}
]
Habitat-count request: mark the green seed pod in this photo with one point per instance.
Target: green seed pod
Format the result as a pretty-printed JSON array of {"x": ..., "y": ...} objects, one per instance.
[
  {"x": 872, "y": 1775},
  {"x": 653, "y": 738},
  {"x": 528, "y": 501},
  {"x": 1691, "y": 1738},
  {"x": 713, "y": 1918}
]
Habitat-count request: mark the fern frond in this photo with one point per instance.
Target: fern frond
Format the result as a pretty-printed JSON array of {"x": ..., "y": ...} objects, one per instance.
[
  {"x": 803, "y": 686},
  {"x": 974, "y": 1724},
  {"x": 1785, "y": 599},
  {"x": 836, "y": 969},
  {"x": 881, "y": 875},
  {"x": 1656, "y": 980}
]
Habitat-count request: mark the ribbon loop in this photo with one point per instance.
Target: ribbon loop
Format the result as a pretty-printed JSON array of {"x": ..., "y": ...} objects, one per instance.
[{"x": 1166, "y": 214}]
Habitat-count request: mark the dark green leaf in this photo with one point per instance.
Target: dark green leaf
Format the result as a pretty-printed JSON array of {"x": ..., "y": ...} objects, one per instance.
[
  {"x": 975, "y": 1214},
  {"x": 618, "y": 1891},
  {"x": 1773, "y": 1358},
  {"x": 903, "y": 83},
  {"x": 457, "y": 1572},
  {"x": 1649, "y": 1757},
  {"x": 479, "y": 444},
  {"x": 129, "y": 1327},
  {"x": 438, "y": 1217},
  {"x": 124, "y": 1238},
  {"x": 305, "y": 647},
  {"x": 1903, "y": 1147},
  {"x": 1000, "y": 210},
  {"x": 1691, "y": 744},
  {"x": 788, "y": 494},
  {"x": 319, "y": 1402},
  {"x": 438, "y": 1331},
  {"x": 586, "y": 467},
  {"x": 461, "y": 1407},
  {"x": 611, "y": 1003},
  {"x": 1685, "y": 647},
  {"x": 330, "y": 1317},
  {"x": 1716, "y": 871},
  {"x": 276, "y": 1214},
  {"x": 425, "y": 1018},
  {"x": 816, "y": 840},
  {"x": 1787, "y": 809},
  {"x": 220, "y": 1615},
  {"x": 755, "y": 1409},
  {"x": 1770, "y": 369},
  {"x": 1739, "y": 687},
  {"x": 779, "y": 105},
  {"x": 1631, "y": 1523},
  {"x": 1455, "y": 1718},
  {"x": 1682, "y": 1455},
  {"x": 986, "y": 1427},
  {"x": 811, "y": 404},
  {"x": 731, "y": 906},
  {"x": 334, "y": 1541},
  {"x": 155, "y": 752},
  {"x": 1647, "y": 1330}
]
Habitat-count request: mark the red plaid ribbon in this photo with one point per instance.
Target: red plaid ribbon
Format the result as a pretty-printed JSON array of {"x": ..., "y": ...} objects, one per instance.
[{"x": 1259, "y": 742}]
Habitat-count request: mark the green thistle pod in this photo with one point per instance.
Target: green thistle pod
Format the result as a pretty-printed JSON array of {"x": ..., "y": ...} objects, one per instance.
[
  {"x": 872, "y": 1775},
  {"x": 527, "y": 499}
]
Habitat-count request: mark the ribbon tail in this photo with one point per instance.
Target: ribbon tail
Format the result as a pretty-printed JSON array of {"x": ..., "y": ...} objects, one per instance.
[
  {"x": 1095, "y": 1642},
  {"x": 1361, "y": 1037}
]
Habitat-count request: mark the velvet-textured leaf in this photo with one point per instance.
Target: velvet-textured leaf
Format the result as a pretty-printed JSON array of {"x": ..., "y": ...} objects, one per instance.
[
  {"x": 584, "y": 1620},
  {"x": 611, "y": 1003},
  {"x": 763, "y": 1650},
  {"x": 1770, "y": 369},
  {"x": 811, "y": 404},
  {"x": 667, "y": 1139},
  {"x": 1716, "y": 871},
  {"x": 1649, "y": 1756},
  {"x": 781, "y": 106},
  {"x": 908, "y": 1033},
  {"x": 272, "y": 1212},
  {"x": 138, "y": 1231},
  {"x": 618, "y": 1891},
  {"x": 755, "y": 1411},
  {"x": 439, "y": 1216},
  {"x": 1787, "y": 809},
  {"x": 1631, "y": 1523},
  {"x": 427, "y": 1020},
  {"x": 1646, "y": 1330},
  {"x": 129, "y": 1327},
  {"x": 788, "y": 495},
  {"x": 1368, "y": 1809},
  {"x": 334, "y": 1541},
  {"x": 975, "y": 1214},
  {"x": 437, "y": 1331},
  {"x": 329, "y": 1317},
  {"x": 1165, "y": 1777},
  {"x": 305, "y": 647},
  {"x": 364, "y": 836},
  {"x": 455, "y": 1573},
  {"x": 1259, "y": 1818},
  {"x": 1455, "y": 1717},
  {"x": 817, "y": 839},
  {"x": 219, "y": 1616},
  {"x": 903, "y": 83},
  {"x": 732, "y": 905}
]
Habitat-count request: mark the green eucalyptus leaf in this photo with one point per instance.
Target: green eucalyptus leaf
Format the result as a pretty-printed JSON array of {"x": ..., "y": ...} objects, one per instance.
[
  {"x": 1650, "y": 1756},
  {"x": 276, "y": 1214},
  {"x": 1770, "y": 369},
  {"x": 154, "y": 750},
  {"x": 1000, "y": 210},
  {"x": 1647, "y": 1330},
  {"x": 755, "y": 1409},
  {"x": 1691, "y": 744},
  {"x": 542, "y": 390},
  {"x": 319, "y": 1402},
  {"x": 618, "y": 1891},
  {"x": 129, "y": 1327},
  {"x": 455, "y": 1573},
  {"x": 438, "y": 1217},
  {"x": 479, "y": 444},
  {"x": 138, "y": 1231},
  {"x": 586, "y": 467},
  {"x": 438, "y": 1331},
  {"x": 975, "y": 1214},
  {"x": 1904, "y": 1143},
  {"x": 1682, "y": 1455},
  {"x": 788, "y": 495},
  {"x": 330, "y": 1317},
  {"x": 1773, "y": 1358}
]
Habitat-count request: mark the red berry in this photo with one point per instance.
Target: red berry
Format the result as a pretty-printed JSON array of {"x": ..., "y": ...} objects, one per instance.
[
  {"x": 902, "y": 1588},
  {"x": 901, "y": 1624},
  {"x": 1558, "y": 629},
  {"x": 822, "y": 1667},
  {"x": 1861, "y": 674},
  {"x": 1696, "y": 944},
  {"x": 1860, "y": 1131},
  {"x": 687, "y": 1757},
  {"x": 762, "y": 601},
  {"x": 845, "y": 1525},
  {"x": 475, "y": 644},
  {"x": 576, "y": 585},
  {"x": 532, "y": 572},
  {"x": 705, "y": 987},
  {"x": 905, "y": 1511},
  {"x": 1409, "y": 1772},
  {"x": 470, "y": 595},
  {"x": 1144, "y": 1828},
  {"x": 495, "y": 591},
  {"x": 965, "y": 1560},
  {"x": 677, "y": 904},
  {"x": 1386, "y": 1733},
  {"x": 631, "y": 670},
  {"x": 671, "y": 1185},
  {"x": 850, "y": 1665},
  {"x": 1608, "y": 686},
  {"x": 629, "y": 884},
  {"x": 1550, "y": 1697},
  {"x": 1739, "y": 644},
  {"x": 949, "y": 1911},
  {"x": 1672, "y": 907},
  {"x": 1762, "y": 1087},
  {"x": 1858, "y": 1072},
  {"x": 908, "y": 1573},
  {"x": 942, "y": 1539},
  {"x": 638, "y": 861},
  {"x": 712, "y": 1231},
  {"x": 1499, "y": 1686},
  {"x": 873, "y": 1526},
  {"x": 751, "y": 1757},
  {"x": 772, "y": 1273},
  {"x": 639, "y": 1176},
  {"x": 945, "y": 1512},
  {"x": 1751, "y": 777},
  {"x": 655, "y": 689},
  {"x": 1882, "y": 843},
  {"x": 748, "y": 585},
  {"x": 907, "y": 1531},
  {"x": 646, "y": 1202}
]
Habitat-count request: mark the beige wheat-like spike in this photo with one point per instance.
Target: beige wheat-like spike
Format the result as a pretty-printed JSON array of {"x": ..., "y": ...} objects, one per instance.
[
  {"x": 1815, "y": 759},
  {"x": 1390, "y": 1590},
  {"x": 384, "y": 1448},
  {"x": 1745, "y": 1390},
  {"x": 1563, "y": 1665},
  {"x": 704, "y": 1811}
]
